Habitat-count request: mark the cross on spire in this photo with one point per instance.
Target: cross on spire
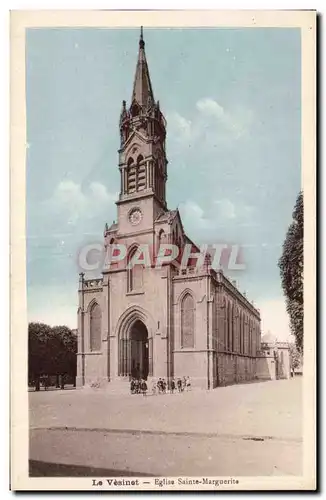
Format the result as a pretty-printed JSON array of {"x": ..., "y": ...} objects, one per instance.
[{"x": 141, "y": 40}]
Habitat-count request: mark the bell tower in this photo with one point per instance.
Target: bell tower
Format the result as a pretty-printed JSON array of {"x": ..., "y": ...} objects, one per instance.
[{"x": 142, "y": 156}]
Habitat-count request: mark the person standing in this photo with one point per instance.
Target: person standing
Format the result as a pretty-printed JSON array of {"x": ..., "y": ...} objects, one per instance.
[
  {"x": 144, "y": 387},
  {"x": 179, "y": 384},
  {"x": 172, "y": 386},
  {"x": 188, "y": 383}
]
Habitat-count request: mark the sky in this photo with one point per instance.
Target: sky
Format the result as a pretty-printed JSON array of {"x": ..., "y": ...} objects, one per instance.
[{"x": 231, "y": 98}]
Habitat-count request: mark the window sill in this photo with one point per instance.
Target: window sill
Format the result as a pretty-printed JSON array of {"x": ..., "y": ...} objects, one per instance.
[{"x": 136, "y": 292}]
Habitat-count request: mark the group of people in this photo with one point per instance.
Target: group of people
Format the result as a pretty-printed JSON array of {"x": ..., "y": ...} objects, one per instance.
[{"x": 139, "y": 386}]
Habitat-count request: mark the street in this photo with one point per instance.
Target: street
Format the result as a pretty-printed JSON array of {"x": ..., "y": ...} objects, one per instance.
[{"x": 240, "y": 430}]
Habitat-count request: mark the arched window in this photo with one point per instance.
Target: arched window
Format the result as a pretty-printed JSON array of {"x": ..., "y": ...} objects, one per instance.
[
  {"x": 253, "y": 338},
  {"x": 241, "y": 332},
  {"x": 231, "y": 327},
  {"x": 95, "y": 327},
  {"x": 227, "y": 313},
  {"x": 136, "y": 178},
  {"x": 141, "y": 173},
  {"x": 135, "y": 109},
  {"x": 161, "y": 240},
  {"x": 109, "y": 252},
  {"x": 131, "y": 176},
  {"x": 135, "y": 272},
  {"x": 225, "y": 322},
  {"x": 236, "y": 330},
  {"x": 188, "y": 321}
]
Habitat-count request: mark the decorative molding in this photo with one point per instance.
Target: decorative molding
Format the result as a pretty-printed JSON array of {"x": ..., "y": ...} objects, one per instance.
[
  {"x": 135, "y": 292},
  {"x": 192, "y": 350},
  {"x": 90, "y": 353},
  {"x": 92, "y": 283}
]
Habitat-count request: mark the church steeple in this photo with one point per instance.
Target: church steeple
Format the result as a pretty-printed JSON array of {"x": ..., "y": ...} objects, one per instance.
[
  {"x": 142, "y": 90},
  {"x": 142, "y": 125}
]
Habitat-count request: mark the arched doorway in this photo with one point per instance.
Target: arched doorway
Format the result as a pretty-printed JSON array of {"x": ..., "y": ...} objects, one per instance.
[
  {"x": 135, "y": 350},
  {"x": 139, "y": 350}
]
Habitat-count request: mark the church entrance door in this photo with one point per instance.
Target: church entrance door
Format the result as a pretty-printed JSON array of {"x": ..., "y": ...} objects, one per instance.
[{"x": 139, "y": 350}]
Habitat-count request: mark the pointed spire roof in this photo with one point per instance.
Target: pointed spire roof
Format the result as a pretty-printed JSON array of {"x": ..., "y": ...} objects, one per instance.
[{"x": 142, "y": 91}]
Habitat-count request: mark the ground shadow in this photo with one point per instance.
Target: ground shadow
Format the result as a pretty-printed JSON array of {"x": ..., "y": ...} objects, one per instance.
[{"x": 48, "y": 469}]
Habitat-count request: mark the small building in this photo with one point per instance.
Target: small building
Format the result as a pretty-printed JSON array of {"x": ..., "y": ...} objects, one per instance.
[{"x": 273, "y": 361}]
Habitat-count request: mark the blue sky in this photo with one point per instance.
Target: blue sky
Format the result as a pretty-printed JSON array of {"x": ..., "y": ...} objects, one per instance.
[{"x": 231, "y": 98}]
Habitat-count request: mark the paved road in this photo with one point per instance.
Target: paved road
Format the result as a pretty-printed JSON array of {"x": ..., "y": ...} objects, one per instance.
[{"x": 252, "y": 429}]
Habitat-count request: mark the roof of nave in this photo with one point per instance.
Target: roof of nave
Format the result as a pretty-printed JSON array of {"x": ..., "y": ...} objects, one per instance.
[
  {"x": 112, "y": 228},
  {"x": 166, "y": 216}
]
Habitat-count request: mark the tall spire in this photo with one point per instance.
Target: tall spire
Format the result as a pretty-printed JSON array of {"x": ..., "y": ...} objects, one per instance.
[{"x": 142, "y": 91}]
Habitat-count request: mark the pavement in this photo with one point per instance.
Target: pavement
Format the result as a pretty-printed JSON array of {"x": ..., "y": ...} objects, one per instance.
[{"x": 250, "y": 429}]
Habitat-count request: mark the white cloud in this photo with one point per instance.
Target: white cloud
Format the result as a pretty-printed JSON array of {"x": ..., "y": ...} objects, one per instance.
[
  {"x": 219, "y": 213},
  {"x": 194, "y": 216},
  {"x": 210, "y": 107},
  {"x": 225, "y": 209},
  {"x": 181, "y": 125},
  {"x": 211, "y": 123},
  {"x": 71, "y": 201}
]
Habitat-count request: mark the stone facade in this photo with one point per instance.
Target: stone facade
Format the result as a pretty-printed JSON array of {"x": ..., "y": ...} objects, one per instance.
[
  {"x": 273, "y": 362},
  {"x": 159, "y": 321}
]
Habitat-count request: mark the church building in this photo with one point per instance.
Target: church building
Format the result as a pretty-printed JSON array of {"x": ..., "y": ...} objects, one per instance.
[{"x": 154, "y": 321}]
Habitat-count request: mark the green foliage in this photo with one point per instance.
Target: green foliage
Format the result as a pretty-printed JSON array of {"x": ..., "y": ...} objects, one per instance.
[
  {"x": 295, "y": 357},
  {"x": 291, "y": 268},
  {"x": 51, "y": 351}
]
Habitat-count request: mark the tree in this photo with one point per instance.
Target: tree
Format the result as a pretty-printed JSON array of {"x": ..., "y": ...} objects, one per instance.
[
  {"x": 295, "y": 357},
  {"x": 67, "y": 353},
  {"x": 291, "y": 269},
  {"x": 39, "y": 352},
  {"x": 51, "y": 351}
]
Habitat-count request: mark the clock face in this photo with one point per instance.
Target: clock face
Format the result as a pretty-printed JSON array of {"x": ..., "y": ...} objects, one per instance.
[{"x": 135, "y": 216}]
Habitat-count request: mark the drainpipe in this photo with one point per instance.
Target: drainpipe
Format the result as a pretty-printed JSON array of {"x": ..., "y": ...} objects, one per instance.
[
  {"x": 82, "y": 326},
  {"x": 108, "y": 339},
  {"x": 208, "y": 343},
  {"x": 168, "y": 346}
]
